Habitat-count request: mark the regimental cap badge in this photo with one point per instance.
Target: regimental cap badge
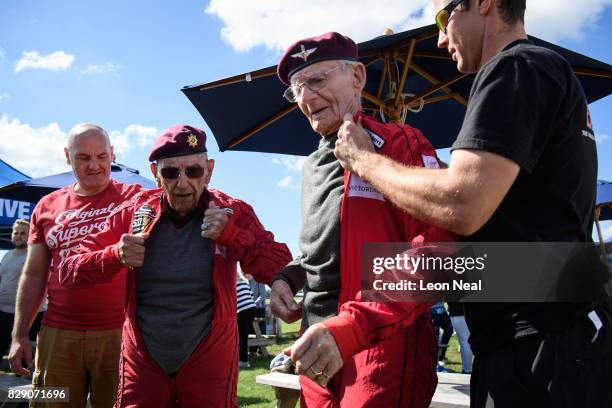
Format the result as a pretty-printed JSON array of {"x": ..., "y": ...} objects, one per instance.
[
  {"x": 304, "y": 53},
  {"x": 192, "y": 140}
]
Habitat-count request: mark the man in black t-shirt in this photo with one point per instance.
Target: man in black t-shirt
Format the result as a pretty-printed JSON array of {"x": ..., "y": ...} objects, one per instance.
[{"x": 523, "y": 169}]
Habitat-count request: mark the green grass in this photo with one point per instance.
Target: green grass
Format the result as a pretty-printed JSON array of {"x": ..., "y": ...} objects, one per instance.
[
  {"x": 453, "y": 355},
  {"x": 254, "y": 395},
  {"x": 291, "y": 327}
]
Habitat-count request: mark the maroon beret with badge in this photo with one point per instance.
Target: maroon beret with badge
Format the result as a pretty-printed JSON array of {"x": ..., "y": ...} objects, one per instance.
[
  {"x": 178, "y": 140},
  {"x": 329, "y": 46}
]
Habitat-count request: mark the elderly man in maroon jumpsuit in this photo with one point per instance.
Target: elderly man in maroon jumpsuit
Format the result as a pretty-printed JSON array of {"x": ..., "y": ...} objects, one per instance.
[
  {"x": 180, "y": 246},
  {"x": 353, "y": 353}
]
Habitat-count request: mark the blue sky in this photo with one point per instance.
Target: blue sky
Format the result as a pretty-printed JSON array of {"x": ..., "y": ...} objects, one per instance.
[{"x": 121, "y": 64}]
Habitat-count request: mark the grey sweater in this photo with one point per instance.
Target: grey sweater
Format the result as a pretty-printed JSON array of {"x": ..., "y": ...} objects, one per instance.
[
  {"x": 319, "y": 265},
  {"x": 174, "y": 292}
]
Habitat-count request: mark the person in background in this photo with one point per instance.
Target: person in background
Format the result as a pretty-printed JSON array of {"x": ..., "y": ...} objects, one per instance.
[
  {"x": 10, "y": 271},
  {"x": 455, "y": 311},
  {"x": 246, "y": 314},
  {"x": 443, "y": 328},
  {"x": 259, "y": 295}
]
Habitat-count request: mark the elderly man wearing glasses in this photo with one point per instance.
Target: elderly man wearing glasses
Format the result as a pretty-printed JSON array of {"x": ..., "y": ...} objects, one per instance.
[
  {"x": 353, "y": 353},
  {"x": 180, "y": 246},
  {"x": 523, "y": 169}
]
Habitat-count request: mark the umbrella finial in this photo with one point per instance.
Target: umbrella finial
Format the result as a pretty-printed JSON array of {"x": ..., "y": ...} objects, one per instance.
[{"x": 388, "y": 31}]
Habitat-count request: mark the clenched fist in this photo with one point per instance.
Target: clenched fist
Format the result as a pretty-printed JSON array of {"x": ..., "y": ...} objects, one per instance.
[
  {"x": 132, "y": 249},
  {"x": 214, "y": 221}
]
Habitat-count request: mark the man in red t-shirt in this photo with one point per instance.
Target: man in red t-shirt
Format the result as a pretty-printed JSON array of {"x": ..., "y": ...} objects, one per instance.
[{"x": 79, "y": 343}]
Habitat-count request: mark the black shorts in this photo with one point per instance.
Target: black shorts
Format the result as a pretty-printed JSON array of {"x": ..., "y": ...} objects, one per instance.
[{"x": 563, "y": 369}]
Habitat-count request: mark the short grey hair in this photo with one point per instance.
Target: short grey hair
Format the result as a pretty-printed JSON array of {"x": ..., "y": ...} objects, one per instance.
[
  {"x": 343, "y": 63},
  {"x": 348, "y": 63}
]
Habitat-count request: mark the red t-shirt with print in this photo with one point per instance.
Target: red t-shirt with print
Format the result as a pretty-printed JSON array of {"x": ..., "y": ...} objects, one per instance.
[{"x": 61, "y": 220}]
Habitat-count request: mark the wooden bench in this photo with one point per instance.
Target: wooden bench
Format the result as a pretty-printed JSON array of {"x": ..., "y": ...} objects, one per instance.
[
  {"x": 286, "y": 388},
  {"x": 260, "y": 340},
  {"x": 453, "y": 390}
]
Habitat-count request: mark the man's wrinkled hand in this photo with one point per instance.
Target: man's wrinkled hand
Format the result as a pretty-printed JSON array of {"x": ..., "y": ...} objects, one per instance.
[
  {"x": 132, "y": 249},
  {"x": 316, "y": 354},
  {"x": 214, "y": 221},
  {"x": 282, "y": 303},
  {"x": 353, "y": 144},
  {"x": 21, "y": 349}
]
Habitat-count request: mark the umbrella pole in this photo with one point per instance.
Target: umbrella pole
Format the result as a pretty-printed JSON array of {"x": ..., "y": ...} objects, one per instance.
[{"x": 602, "y": 244}]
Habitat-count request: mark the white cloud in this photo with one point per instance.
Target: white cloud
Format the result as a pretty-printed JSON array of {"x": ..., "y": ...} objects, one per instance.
[
  {"x": 40, "y": 151},
  {"x": 601, "y": 137},
  {"x": 291, "y": 165},
  {"x": 100, "y": 69},
  {"x": 1, "y": 54},
  {"x": 56, "y": 61},
  {"x": 4, "y": 96},
  {"x": 287, "y": 182},
  {"x": 35, "y": 151},
  {"x": 246, "y": 23},
  {"x": 133, "y": 136},
  {"x": 554, "y": 21}
]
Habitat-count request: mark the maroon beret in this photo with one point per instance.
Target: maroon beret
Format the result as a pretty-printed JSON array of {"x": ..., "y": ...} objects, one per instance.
[
  {"x": 329, "y": 46},
  {"x": 178, "y": 140}
]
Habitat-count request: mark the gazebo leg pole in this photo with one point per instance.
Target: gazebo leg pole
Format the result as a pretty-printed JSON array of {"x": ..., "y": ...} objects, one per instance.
[{"x": 602, "y": 244}]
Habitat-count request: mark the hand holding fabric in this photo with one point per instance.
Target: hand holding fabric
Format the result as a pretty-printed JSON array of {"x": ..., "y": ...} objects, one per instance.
[
  {"x": 316, "y": 354},
  {"x": 353, "y": 144}
]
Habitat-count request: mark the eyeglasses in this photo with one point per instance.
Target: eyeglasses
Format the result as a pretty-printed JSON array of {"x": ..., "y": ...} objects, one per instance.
[
  {"x": 443, "y": 15},
  {"x": 315, "y": 82},
  {"x": 172, "y": 173}
]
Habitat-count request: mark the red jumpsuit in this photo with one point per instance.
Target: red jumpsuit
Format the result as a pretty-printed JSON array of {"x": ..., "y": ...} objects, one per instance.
[
  {"x": 209, "y": 376},
  {"x": 389, "y": 349}
]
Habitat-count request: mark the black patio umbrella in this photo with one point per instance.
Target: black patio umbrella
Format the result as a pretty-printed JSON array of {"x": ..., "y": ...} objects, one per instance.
[
  {"x": 17, "y": 200},
  {"x": 247, "y": 112}
]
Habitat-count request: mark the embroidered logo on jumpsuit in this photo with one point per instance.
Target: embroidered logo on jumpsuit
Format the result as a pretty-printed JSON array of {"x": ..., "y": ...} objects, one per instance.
[{"x": 142, "y": 218}]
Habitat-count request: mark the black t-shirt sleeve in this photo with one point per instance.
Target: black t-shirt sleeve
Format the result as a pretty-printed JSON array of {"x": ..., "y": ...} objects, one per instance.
[{"x": 509, "y": 103}]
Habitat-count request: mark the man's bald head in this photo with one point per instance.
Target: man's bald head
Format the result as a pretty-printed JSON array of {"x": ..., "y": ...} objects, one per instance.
[
  {"x": 83, "y": 129},
  {"x": 90, "y": 154}
]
